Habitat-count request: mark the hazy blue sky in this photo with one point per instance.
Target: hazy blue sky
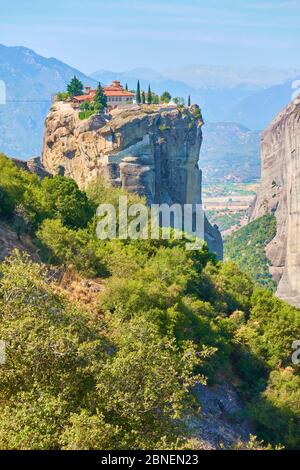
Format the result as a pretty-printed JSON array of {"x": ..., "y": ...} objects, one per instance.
[{"x": 125, "y": 34}]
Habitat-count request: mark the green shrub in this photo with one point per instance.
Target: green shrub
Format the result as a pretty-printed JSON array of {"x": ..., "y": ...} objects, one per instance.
[
  {"x": 71, "y": 247},
  {"x": 63, "y": 96},
  {"x": 61, "y": 198},
  {"x": 86, "y": 114},
  {"x": 15, "y": 184}
]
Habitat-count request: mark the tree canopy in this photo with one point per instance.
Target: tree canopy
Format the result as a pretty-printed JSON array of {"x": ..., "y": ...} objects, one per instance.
[
  {"x": 100, "y": 99},
  {"x": 165, "y": 97},
  {"x": 75, "y": 87}
]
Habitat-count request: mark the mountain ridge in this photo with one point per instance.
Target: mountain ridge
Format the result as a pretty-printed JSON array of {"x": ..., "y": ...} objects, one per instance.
[
  {"x": 31, "y": 81},
  {"x": 219, "y": 102},
  {"x": 210, "y": 76}
]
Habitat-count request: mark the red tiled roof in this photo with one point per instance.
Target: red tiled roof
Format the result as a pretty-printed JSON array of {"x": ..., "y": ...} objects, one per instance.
[
  {"x": 117, "y": 92},
  {"x": 115, "y": 89},
  {"x": 82, "y": 98}
]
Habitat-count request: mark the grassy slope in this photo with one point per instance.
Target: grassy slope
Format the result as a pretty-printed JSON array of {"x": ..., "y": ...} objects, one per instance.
[{"x": 246, "y": 247}]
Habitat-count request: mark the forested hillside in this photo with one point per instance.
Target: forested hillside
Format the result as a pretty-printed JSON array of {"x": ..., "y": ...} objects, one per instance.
[
  {"x": 246, "y": 248},
  {"x": 121, "y": 375}
]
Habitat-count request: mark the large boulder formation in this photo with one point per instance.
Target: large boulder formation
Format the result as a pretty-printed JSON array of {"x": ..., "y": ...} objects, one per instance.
[
  {"x": 150, "y": 150},
  {"x": 280, "y": 194}
]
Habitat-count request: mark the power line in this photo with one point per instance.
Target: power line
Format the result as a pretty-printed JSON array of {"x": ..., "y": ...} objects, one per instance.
[{"x": 28, "y": 101}]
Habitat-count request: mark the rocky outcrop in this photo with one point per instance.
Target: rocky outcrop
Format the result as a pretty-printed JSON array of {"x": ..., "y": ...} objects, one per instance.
[
  {"x": 33, "y": 165},
  {"x": 280, "y": 194},
  {"x": 153, "y": 151},
  {"x": 222, "y": 423}
]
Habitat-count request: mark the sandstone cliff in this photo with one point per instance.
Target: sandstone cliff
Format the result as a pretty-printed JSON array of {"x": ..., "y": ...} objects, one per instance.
[
  {"x": 280, "y": 194},
  {"x": 153, "y": 151}
]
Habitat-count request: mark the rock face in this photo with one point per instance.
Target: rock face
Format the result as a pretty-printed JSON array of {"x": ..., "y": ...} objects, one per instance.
[
  {"x": 222, "y": 423},
  {"x": 33, "y": 165},
  {"x": 153, "y": 151},
  {"x": 280, "y": 194}
]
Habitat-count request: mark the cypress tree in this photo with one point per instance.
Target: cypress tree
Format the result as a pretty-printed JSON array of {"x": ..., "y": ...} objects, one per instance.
[
  {"x": 75, "y": 87},
  {"x": 138, "y": 93},
  {"x": 143, "y": 97},
  {"x": 149, "y": 96},
  {"x": 100, "y": 100},
  {"x": 189, "y": 101},
  {"x": 126, "y": 87}
]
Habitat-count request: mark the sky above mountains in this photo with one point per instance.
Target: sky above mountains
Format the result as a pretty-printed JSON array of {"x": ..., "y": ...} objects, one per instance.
[{"x": 124, "y": 34}]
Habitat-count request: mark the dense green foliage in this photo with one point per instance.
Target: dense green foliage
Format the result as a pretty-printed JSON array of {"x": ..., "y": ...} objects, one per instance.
[
  {"x": 75, "y": 87},
  {"x": 165, "y": 97},
  {"x": 15, "y": 186},
  {"x": 264, "y": 361},
  {"x": 51, "y": 198},
  {"x": 100, "y": 100},
  {"x": 225, "y": 219},
  {"x": 97, "y": 106},
  {"x": 122, "y": 376},
  {"x": 63, "y": 96},
  {"x": 87, "y": 109},
  {"x": 246, "y": 248},
  {"x": 74, "y": 381}
]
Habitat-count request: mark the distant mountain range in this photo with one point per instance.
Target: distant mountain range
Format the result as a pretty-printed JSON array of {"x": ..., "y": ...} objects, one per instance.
[
  {"x": 31, "y": 81},
  {"x": 250, "y": 97},
  {"x": 199, "y": 77},
  {"x": 204, "y": 76},
  {"x": 260, "y": 107},
  {"x": 230, "y": 153}
]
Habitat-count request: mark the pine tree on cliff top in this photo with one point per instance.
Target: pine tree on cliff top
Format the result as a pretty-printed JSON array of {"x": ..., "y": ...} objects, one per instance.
[
  {"x": 149, "y": 95},
  {"x": 138, "y": 93},
  {"x": 100, "y": 100},
  {"x": 75, "y": 87}
]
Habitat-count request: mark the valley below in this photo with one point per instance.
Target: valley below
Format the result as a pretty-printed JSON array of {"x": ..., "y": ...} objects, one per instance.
[
  {"x": 230, "y": 164},
  {"x": 227, "y": 205}
]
